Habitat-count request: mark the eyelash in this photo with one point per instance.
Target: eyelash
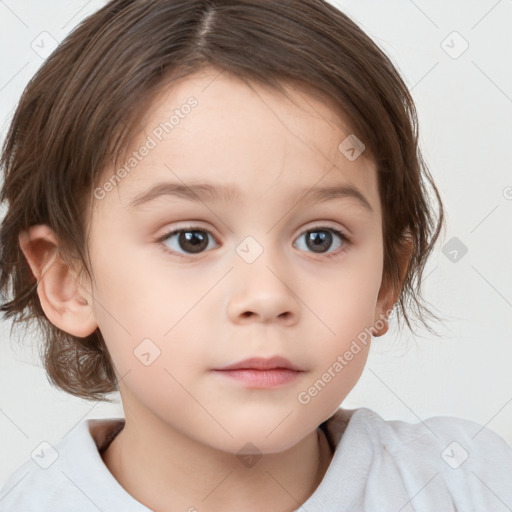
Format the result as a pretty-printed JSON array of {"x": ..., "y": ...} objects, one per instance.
[{"x": 346, "y": 240}]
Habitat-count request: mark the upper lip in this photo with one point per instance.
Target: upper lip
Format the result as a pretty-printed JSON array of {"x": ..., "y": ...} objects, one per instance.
[{"x": 262, "y": 363}]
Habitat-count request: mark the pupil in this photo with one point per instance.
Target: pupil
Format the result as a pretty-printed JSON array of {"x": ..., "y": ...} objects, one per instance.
[
  {"x": 319, "y": 239},
  {"x": 195, "y": 240}
]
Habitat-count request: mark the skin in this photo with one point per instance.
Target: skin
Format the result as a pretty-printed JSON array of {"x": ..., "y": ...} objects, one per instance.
[{"x": 184, "y": 424}]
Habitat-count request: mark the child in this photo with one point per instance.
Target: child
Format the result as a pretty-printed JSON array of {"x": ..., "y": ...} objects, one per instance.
[{"x": 212, "y": 205}]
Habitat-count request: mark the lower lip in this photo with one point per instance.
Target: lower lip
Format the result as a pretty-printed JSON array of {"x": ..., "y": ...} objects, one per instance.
[{"x": 261, "y": 378}]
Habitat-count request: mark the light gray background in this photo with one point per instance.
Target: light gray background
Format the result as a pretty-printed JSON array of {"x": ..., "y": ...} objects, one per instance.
[{"x": 464, "y": 101}]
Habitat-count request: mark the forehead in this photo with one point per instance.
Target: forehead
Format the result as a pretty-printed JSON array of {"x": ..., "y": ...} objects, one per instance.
[{"x": 214, "y": 127}]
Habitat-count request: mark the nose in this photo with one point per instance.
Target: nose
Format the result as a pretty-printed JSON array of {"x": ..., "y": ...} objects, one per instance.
[{"x": 262, "y": 293}]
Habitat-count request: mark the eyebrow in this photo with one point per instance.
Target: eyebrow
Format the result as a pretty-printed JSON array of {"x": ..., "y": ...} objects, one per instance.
[{"x": 206, "y": 192}]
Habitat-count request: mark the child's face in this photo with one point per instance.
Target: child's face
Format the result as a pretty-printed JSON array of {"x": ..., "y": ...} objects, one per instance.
[{"x": 255, "y": 285}]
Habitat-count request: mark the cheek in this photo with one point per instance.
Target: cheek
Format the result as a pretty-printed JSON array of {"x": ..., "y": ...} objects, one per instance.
[
  {"x": 345, "y": 307},
  {"x": 147, "y": 324},
  {"x": 165, "y": 327},
  {"x": 346, "y": 299},
  {"x": 339, "y": 357},
  {"x": 153, "y": 333},
  {"x": 134, "y": 300}
]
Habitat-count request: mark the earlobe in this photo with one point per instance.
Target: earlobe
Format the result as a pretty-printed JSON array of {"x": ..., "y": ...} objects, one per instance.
[
  {"x": 389, "y": 295},
  {"x": 61, "y": 298},
  {"x": 381, "y": 324}
]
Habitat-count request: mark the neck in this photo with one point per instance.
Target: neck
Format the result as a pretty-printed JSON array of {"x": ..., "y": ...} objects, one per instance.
[{"x": 179, "y": 473}]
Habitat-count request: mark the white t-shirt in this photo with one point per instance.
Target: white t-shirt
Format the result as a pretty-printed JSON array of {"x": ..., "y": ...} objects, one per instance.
[{"x": 442, "y": 464}]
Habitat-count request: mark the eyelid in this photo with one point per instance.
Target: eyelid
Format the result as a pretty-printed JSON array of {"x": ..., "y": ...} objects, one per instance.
[
  {"x": 345, "y": 238},
  {"x": 190, "y": 225},
  {"x": 195, "y": 226},
  {"x": 325, "y": 225}
]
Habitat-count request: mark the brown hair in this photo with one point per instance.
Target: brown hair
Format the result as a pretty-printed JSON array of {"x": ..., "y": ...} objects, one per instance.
[{"x": 77, "y": 113}]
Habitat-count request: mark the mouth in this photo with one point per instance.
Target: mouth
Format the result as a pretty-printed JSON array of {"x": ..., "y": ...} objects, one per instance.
[
  {"x": 262, "y": 363},
  {"x": 258, "y": 372}
]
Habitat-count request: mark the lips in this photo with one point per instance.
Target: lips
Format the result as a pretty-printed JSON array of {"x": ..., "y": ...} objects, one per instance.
[
  {"x": 261, "y": 363},
  {"x": 260, "y": 373}
]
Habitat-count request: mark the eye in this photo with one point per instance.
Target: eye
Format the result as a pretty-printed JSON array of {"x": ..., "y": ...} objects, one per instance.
[
  {"x": 195, "y": 240},
  {"x": 320, "y": 239},
  {"x": 192, "y": 240}
]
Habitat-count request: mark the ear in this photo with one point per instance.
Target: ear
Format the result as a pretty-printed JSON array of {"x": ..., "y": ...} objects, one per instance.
[
  {"x": 388, "y": 295},
  {"x": 58, "y": 290}
]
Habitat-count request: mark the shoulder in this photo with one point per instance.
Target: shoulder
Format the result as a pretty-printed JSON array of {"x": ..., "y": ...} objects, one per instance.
[
  {"x": 39, "y": 481},
  {"x": 59, "y": 477},
  {"x": 451, "y": 456},
  {"x": 446, "y": 439},
  {"x": 31, "y": 487}
]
